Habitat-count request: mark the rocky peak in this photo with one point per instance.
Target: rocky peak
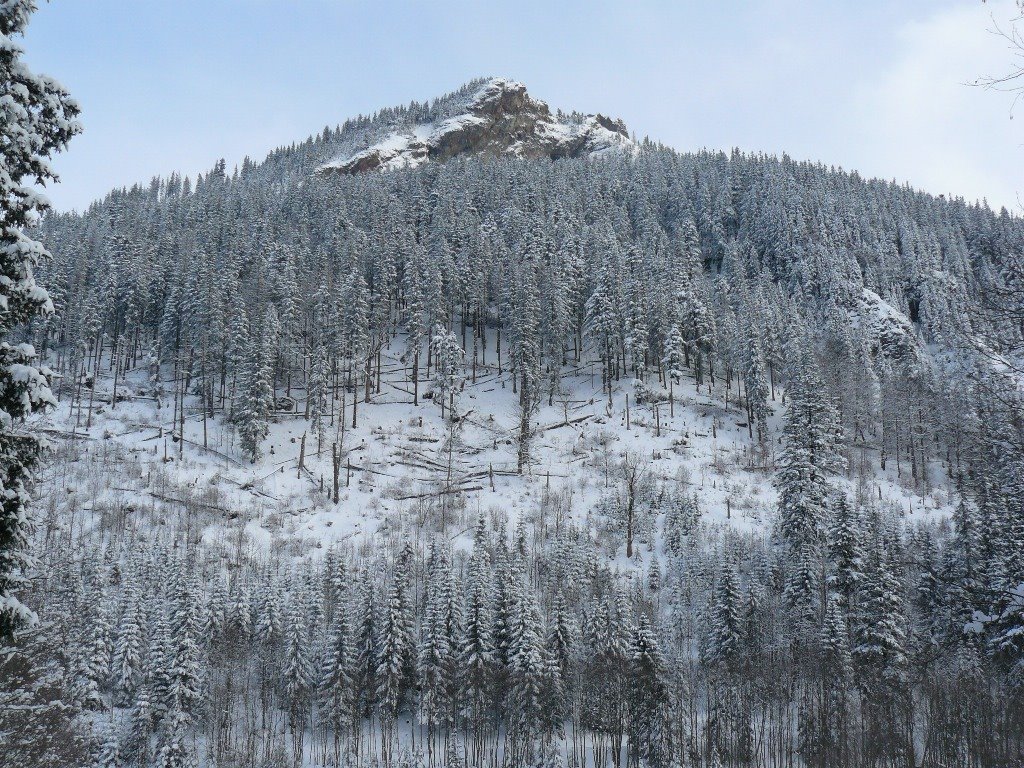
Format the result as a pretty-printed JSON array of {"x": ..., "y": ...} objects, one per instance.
[{"x": 498, "y": 118}]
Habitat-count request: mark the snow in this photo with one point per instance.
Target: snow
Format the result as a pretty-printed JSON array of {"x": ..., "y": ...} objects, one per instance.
[
  {"x": 398, "y": 456},
  {"x": 410, "y": 146},
  {"x": 891, "y": 330},
  {"x": 494, "y": 87}
]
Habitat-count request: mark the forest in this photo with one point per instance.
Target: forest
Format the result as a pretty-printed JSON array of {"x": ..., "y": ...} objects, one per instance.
[{"x": 852, "y": 334}]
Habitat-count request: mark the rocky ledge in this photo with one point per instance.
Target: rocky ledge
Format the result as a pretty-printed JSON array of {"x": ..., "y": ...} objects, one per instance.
[{"x": 501, "y": 118}]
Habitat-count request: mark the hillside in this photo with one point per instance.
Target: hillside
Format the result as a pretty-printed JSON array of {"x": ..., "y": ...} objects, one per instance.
[
  {"x": 402, "y": 462},
  {"x": 638, "y": 452}
]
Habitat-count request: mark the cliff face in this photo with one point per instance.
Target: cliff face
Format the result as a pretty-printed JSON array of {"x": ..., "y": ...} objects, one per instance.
[{"x": 501, "y": 118}]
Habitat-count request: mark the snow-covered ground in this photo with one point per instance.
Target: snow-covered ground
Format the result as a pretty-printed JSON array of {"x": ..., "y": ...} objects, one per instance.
[{"x": 128, "y": 462}]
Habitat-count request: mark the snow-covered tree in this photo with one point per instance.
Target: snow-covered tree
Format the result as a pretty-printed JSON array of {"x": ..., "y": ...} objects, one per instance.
[
  {"x": 448, "y": 358},
  {"x": 37, "y": 119},
  {"x": 318, "y": 395},
  {"x": 255, "y": 401},
  {"x": 396, "y": 654},
  {"x": 809, "y": 456},
  {"x": 724, "y": 645}
]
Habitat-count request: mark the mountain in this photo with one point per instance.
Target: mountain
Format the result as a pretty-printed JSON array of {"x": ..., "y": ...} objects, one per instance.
[
  {"x": 496, "y": 117},
  {"x": 457, "y": 402}
]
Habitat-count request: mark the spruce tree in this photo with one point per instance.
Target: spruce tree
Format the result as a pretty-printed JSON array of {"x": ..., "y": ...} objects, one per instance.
[
  {"x": 811, "y": 434},
  {"x": 318, "y": 395},
  {"x": 477, "y": 655},
  {"x": 396, "y": 653},
  {"x": 724, "y": 643},
  {"x": 436, "y": 653},
  {"x": 128, "y": 647},
  {"x": 252, "y": 410},
  {"x": 94, "y": 660},
  {"x": 879, "y": 636},
  {"x": 648, "y": 693},
  {"x": 448, "y": 357},
  {"x": 298, "y": 666},
  {"x": 335, "y": 693},
  {"x": 845, "y": 552},
  {"x": 756, "y": 384},
  {"x": 37, "y": 119}
]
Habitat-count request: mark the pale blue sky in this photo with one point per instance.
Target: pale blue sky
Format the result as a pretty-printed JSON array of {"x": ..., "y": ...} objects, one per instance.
[{"x": 875, "y": 85}]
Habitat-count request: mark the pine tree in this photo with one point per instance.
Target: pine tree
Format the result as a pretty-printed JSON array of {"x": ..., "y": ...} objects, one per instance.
[
  {"x": 845, "y": 553},
  {"x": 396, "y": 655},
  {"x": 436, "y": 654},
  {"x": 811, "y": 435},
  {"x": 128, "y": 647},
  {"x": 477, "y": 655},
  {"x": 252, "y": 411},
  {"x": 448, "y": 359},
  {"x": 724, "y": 643},
  {"x": 37, "y": 119},
  {"x": 318, "y": 402}
]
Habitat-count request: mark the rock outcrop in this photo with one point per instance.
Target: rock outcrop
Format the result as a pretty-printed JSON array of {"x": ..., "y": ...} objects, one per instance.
[{"x": 500, "y": 118}]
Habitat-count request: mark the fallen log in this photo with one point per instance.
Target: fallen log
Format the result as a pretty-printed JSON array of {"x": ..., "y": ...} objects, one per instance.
[{"x": 445, "y": 492}]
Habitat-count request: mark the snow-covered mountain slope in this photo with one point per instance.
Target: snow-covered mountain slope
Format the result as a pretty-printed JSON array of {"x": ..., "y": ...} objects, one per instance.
[
  {"x": 404, "y": 461},
  {"x": 498, "y": 118}
]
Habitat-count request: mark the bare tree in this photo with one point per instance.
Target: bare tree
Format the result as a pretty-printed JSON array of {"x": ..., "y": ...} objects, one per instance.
[
  {"x": 1011, "y": 32},
  {"x": 634, "y": 471}
]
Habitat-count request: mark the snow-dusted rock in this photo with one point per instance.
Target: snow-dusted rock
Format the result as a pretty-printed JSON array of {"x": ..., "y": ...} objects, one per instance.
[
  {"x": 892, "y": 331},
  {"x": 499, "y": 118}
]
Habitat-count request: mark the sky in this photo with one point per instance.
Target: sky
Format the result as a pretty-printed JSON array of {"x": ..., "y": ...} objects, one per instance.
[{"x": 876, "y": 86}]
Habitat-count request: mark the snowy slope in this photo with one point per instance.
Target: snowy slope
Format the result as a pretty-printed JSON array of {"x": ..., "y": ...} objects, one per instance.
[{"x": 401, "y": 466}]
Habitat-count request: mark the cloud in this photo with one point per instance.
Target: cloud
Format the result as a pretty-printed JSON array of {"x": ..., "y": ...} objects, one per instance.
[{"x": 920, "y": 120}]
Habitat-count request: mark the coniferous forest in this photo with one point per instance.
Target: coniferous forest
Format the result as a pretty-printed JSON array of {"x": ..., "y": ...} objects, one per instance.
[{"x": 839, "y": 581}]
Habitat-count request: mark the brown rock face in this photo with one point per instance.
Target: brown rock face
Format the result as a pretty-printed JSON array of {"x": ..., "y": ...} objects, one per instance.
[
  {"x": 500, "y": 119},
  {"x": 506, "y": 116}
]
